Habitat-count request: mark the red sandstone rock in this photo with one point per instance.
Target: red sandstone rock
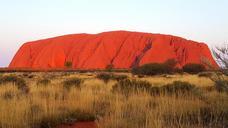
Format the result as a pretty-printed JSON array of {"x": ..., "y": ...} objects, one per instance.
[{"x": 122, "y": 49}]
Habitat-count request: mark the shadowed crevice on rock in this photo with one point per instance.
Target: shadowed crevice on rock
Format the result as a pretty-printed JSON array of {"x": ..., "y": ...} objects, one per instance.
[{"x": 140, "y": 56}]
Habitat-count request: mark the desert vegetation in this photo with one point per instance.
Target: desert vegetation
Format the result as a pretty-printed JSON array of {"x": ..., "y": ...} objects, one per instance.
[
  {"x": 194, "y": 68},
  {"x": 112, "y": 100},
  {"x": 168, "y": 67}
]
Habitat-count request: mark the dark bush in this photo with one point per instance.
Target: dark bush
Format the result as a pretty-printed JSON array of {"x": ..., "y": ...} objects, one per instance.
[
  {"x": 109, "y": 67},
  {"x": 179, "y": 87},
  {"x": 72, "y": 82},
  {"x": 176, "y": 88},
  {"x": 178, "y": 70},
  {"x": 149, "y": 69},
  {"x": 31, "y": 76},
  {"x": 167, "y": 67},
  {"x": 221, "y": 85},
  {"x": 131, "y": 86},
  {"x": 28, "y": 75},
  {"x": 194, "y": 68},
  {"x": 106, "y": 77},
  {"x": 170, "y": 65},
  {"x": 68, "y": 64},
  {"x": 19, "y": 82},
  {"x": 44, "y": 81}
]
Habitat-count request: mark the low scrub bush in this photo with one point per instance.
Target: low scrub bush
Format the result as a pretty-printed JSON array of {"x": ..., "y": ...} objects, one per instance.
[
  {"x": 68, "y": 64},
  {"x": 106, "y": 77},
  {"x": 44, "y": 81},
  {"x": 149, "y": 69},
  {"x": 109, "y": 67},
  {"x": 176, "y": 88},
  {"x": 221, "y": 85},
  {"x": 194, "y": 68},
  {"x": 131, "y": 86},
  {"x": 167, "y": 67},
  {"x": 179, "y": 88},
  {"x": 19, "y": 82},
  {"x": 72, "y": 82}
]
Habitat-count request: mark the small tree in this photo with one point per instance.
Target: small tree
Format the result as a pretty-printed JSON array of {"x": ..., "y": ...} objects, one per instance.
[
  {"x": 221, "y": 55},
  {"x": 68, "y": 64}
]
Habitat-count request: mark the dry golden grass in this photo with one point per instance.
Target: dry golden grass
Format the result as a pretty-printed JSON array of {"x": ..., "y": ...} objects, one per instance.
[
  {"x": 167, "y": 79},
  {"x": 112, "y": 110}
]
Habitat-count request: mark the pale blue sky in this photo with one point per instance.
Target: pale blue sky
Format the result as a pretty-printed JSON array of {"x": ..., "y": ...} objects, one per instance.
[{"x": 26, "y": 20}]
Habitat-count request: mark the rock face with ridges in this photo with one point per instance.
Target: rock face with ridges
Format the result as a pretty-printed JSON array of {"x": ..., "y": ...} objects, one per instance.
[{"x": 122, "y": 49}]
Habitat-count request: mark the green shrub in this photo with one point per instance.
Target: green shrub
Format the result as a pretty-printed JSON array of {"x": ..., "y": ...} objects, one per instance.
[
  {"x": 167, "y": 67},
  {"x": 44, "y": 81},
  {"x": 127, "y": 86},
  {"x": 72, "y": 82},
  {"x": 194, "y": 68},
  {"x": 221, "y": 85},
  {"x": 19, "y": 82}
]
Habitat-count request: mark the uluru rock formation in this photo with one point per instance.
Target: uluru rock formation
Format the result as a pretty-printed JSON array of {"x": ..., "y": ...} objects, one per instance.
[{"x": 122, "y": 49}]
